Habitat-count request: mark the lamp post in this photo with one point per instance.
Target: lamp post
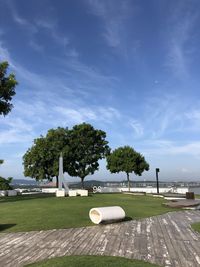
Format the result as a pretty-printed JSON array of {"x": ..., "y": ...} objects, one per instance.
[{"x": 157, "y": 182}]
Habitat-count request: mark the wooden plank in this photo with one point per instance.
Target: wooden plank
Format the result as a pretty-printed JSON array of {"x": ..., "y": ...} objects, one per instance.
[{"x": 166, "y": 239}]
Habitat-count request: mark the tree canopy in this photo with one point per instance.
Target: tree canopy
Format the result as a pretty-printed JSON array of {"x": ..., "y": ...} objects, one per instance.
[
  {"x": 86, "y": 147},
  {"x": 41, "y": 160},
  {"x": 5, "y": 183},
  {"x": 82, "y": 147},
  {"x": 7, "y": 88},
  {"x": 126, "y": 159}
]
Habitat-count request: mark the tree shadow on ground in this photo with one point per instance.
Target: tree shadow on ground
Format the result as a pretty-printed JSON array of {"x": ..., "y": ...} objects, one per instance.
[
  {"x": 3, "y": 227},
  {"x": 118, "y": 221},
  {"x": 127, "y": 219},
  {"x": 25, "y": 197}
]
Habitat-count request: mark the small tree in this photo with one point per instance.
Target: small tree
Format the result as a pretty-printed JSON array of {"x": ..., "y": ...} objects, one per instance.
[
  {"x": 86, "y": 147},
  {"x": 126, "y": 159},
  {"x": 41, "y": 161},
  {"x": 5, "y": 183},
  {"x": 7, "y": 89}
]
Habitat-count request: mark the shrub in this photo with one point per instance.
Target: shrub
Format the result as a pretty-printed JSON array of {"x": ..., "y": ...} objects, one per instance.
[{"x": 5, "y": 183}]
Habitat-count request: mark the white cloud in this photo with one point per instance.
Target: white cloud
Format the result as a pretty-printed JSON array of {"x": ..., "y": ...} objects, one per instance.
[
  {"x": 12, "y": 168},
  {"x": 4, "y": 54},
  {"x": 15, "y": 136},
  {"x": 167, "y": 148},
  {"x": 193, "y": 114},
  {"x": 184, "y": 170},
  {"x": 89, "y": 114},
  {"x": 16, "y": 123},
  {"x": 192, "y": 148},
  {"x": 75, "y": 116},
  {"x": 15, "y": 130},
  {"x": 107, "y": 114}
]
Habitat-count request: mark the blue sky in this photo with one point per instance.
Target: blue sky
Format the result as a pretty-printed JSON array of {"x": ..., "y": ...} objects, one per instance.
[{"x": 128, "y": 67}]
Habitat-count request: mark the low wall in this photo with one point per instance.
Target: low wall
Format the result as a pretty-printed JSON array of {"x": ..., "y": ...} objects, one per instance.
[
  {"x": 49, "y": 190},
  {"x": 196, "y": 190},
  {"x": 150, "y": 190}
]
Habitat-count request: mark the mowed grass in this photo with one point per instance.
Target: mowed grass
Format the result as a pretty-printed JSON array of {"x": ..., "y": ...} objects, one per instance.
[
  {"x": 196, "y": 227},
  {"x": 43, "y": 212},
  {"x": 91, "y": 261}
]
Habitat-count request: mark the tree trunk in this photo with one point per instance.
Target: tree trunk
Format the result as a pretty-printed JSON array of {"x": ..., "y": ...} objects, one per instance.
[
  {"x": 56, "y": 181},
  {"x": 82, "y": 182},
  {"x": 128, "y": 181}
]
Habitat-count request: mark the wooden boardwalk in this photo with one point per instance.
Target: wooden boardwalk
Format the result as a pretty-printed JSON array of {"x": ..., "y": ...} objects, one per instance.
[{"x": 166, "y": 240}]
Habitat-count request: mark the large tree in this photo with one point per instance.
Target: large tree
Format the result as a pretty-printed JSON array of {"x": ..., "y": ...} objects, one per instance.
[
  {"x": 41, "y": 161},
  {"x": 86, "y": 147},
  {"x": 7, "y": 88},
  {"x": 126, "y": 159}
]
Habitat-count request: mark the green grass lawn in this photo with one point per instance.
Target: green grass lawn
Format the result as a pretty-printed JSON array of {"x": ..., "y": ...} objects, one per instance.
[
  {"x": 42, "y": 212},
  {"x": 196, "y": 227},
  {"x": 91, "y": 261}
]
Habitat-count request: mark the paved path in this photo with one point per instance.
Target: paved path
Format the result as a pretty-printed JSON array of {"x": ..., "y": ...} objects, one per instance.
[{"x": 167, "y": 240}]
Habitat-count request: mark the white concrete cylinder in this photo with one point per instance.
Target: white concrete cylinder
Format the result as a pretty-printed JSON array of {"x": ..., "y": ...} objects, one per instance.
[{"x": 113, "y": 213}]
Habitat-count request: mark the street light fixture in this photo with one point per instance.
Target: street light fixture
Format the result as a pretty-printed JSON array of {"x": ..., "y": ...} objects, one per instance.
[{"x": 157, "y": 182}]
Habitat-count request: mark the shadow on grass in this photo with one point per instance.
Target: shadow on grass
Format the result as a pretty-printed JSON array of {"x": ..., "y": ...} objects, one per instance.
[
  {"x": 6, "y": 226},
  {"x": 25, "y": 197},
  {"x": 30, "y": 197}
]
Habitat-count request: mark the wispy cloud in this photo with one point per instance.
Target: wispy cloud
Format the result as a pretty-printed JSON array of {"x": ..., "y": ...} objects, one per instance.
[
  {"x": 15, "y": 130},
  {"x": 17, "y": 123},
  {"x": 36, "y": 46},
  {"x": 64, "y": 106},
  {"x": 180, "y": 38},
  {"x": 159, "y": 117},
  {"x": 165, "y": 116},
  {"x": 114, "y": 17},
  {"x": 35, "y": 26},
  {"x": 4, "y": 54},
  {"x": 20, "y": 20},
  {"x": 137, "y": 127},
  {"x": 89, "y": 114},
  {"x": 51, "y": 26},
  {"x": 167, "y": 147}
]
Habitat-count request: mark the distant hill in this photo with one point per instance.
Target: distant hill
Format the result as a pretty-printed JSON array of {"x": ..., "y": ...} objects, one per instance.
[
  {"x": 24, "y": 182},
  {"x": 88, "y": 184}
]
